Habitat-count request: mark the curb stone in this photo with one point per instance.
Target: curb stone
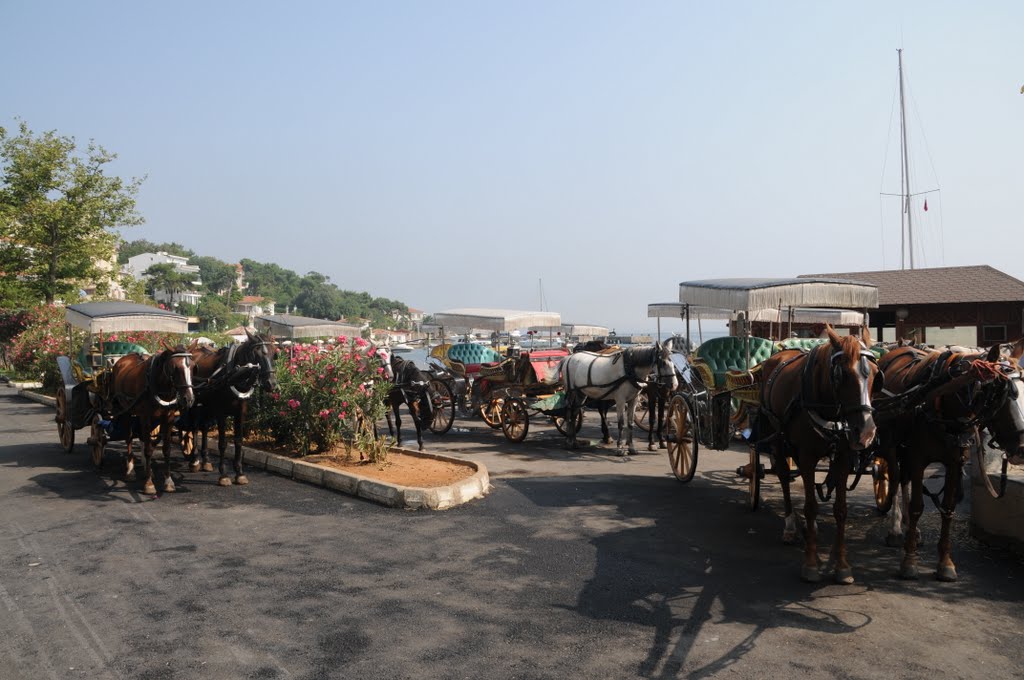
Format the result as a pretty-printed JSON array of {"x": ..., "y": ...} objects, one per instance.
[{"x": 385, "y": 493}]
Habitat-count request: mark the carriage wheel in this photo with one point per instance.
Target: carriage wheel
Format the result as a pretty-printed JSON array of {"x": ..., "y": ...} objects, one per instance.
[
  {"x": 880, "y": 482},
  {"x": 65, "y": 432},
  {"x": 443, "y": 405},
  {"x": 643, "y": 406},
  {"x": 515, "y": 420},
  {"x": 682, "y": 446},
  {"x": 97, "y": 442},
  {"x": 491, "y": 412},
  {"x": 562, "y": 424},
  {"x": 755, "y": 479}
]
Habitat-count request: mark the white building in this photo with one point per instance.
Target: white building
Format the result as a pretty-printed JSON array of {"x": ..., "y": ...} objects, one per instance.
[{"x": 138, "y": 264}]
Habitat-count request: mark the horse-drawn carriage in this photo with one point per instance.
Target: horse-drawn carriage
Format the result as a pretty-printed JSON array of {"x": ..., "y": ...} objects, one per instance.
[
  {"x": 98, "y": 387},
  {"x": 722, "y": 387},
  {"x": 505, "y": 390}
]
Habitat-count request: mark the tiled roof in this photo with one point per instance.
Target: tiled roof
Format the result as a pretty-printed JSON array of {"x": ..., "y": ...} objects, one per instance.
[{"x": 938, "y": 285}]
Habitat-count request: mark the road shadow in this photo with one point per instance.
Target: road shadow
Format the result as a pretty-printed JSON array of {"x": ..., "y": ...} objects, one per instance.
[{"x": 690, "y": 554}]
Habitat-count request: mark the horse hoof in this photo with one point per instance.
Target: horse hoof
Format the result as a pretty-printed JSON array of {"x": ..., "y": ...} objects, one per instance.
[
  {"x": 844, "y": 577},
  {"x": 207, "y": 467},
  {"x": 169, "y": 486},
  {"x": 946, "y": 573},
  {"x": 909, "y": 572},
  {"x": 193, "y": 467},
  {"x": 608, "y": 441},
  {"x": 789, "y": 537},
  {"x": 421, "y": 447},
  {"x": 129, "y": 476},
  {"x": 662, "y": 445},
  {"x": 652, "y": 447},
  {"x": 149, "y": 489},
  {"x": 241, "y": 480},
  {"x": 894, "y": 540},
  {"x": 224, "y": 481},
  {"x": 810, "y": 574}
]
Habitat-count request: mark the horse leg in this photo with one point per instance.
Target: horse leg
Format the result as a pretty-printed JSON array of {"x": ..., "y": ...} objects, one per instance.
[
  {"x": 841, "y": 471},
  {"x": 147, "y": 455},
  {"x": 572, "y": 408},
  {"x": 240, "y": 417},
  {"x": 620, "y": 412},
  {"x": 129, "y": 461},
  {"x": 204, "y": 453},
  {"x": 395, "y": 403},
  {"x": 908, "y": 568},
  {"x": 652, "y": 417},
  {"x": 809, "y": 571},
  {"x": 222, "y": 446},
  {"x": 391, "y": 429},
  {"x": 661, "y": 420},
  {"x": 789, "y": 530},
  {"x": 602, "y": 409},
  {"x": 630, "y": 415},
  {"x": 946, "y": 570},
  {"x": 414, "y": 411},
  {"x": 165, "y": 429}
]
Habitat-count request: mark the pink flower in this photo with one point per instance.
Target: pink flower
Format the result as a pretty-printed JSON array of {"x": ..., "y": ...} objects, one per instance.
[
  {"x": 380, "y": 369},
  {"x": 372, "y": 352},
  {"x": 361, "y": 343},
  {"x": 294, "y": 403},
  {"x": 324, "y": 413},
  {"x": 275, "y": 396},
  {"x": 280, "y": 413},
  {"x": 342, "y": 340},
  {"x": 344, "y": 404},
  {"x": 341, "y": 415}
]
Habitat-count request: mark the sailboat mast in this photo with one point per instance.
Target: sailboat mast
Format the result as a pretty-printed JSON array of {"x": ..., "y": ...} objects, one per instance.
[{"x": 906, "y": 223}]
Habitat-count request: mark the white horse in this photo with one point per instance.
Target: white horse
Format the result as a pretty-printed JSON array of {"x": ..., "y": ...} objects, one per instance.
[{"x": 617, "y": 376}]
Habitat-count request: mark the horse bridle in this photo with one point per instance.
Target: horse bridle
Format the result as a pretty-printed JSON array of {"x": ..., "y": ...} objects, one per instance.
[{"x": 165, "y": 362}]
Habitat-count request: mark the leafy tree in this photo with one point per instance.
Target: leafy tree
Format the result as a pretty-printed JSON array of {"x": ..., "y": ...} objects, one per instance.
[
  {"x": 164, "y": 277},
  {"x": 218, "y": 276},
  {"x": 214, "y": 315},
  {"x": 130, "y": 249},
  {"x": 58, "y": 208}
]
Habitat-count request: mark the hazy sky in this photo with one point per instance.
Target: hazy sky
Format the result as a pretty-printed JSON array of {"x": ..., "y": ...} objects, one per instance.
[{"x": 453, "y": 154}]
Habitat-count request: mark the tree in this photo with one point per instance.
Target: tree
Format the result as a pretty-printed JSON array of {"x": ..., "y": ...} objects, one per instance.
[
  {"x": 218, "y": 277},
  {"x": 164, "y": 277},
  {"x": 214, "y": 315},
  {"x": 58, "y": 208}
]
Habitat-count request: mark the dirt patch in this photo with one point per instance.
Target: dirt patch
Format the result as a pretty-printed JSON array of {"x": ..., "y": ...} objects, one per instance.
[{"x": 402, "y": 469}]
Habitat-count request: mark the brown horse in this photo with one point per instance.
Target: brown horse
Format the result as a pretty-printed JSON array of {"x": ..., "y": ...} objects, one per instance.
[
  {"x": 225, "y": 380},
  {"x": 153, "y": 389},
  {"x": 815, "y": 405},
  {"x": 941, "y": 400}
]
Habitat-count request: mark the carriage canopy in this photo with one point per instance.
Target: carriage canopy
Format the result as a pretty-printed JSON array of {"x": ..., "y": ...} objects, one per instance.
[
  {"x": 773, "y": 294},
  {"x": 115, "y": 317},
  {"x": 499, "y": 320},
  {"x": 292, "y": 327}
]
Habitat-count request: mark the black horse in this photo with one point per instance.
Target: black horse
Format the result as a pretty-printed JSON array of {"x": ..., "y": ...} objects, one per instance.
[
  {"x": 225, "y": 380},
  {"x": 410, "y": 386}
]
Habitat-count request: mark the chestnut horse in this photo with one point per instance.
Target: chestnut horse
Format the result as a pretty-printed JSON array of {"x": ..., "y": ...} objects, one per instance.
[
  {"x": 224, "y": 381},
  {"x": 153, "y": 389},
  {"x": 814, "y": 405},
  {"x": 943, "y": 399}
]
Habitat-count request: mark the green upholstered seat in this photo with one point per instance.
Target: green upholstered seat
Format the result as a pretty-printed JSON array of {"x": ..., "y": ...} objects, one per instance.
[
  {"x": 728, "y": 354},
  {"x": 471, "y": 353},
  {"x": 802, "y": 343},
  {"x": 112, "y": 351}
]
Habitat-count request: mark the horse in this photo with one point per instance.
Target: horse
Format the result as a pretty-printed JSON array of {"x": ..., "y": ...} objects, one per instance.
[
  {"x": 617, "y": 376},
  {"x": 817, "y": 404},
  {"x": 941, "y": 401},
  {"x": 224, "y": 382},
  {"x": 409, "y": 386},
  {"x": 136, "y": 387}
]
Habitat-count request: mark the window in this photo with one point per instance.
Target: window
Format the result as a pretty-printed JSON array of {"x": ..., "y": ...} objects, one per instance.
[{"x": 992, "y": 334}]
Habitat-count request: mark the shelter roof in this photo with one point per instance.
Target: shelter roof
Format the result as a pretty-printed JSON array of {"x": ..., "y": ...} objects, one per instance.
[
  {"x": 501, "y": 320},
  {"x": 124, "y": 316},
  {"x": 750, "y": 294},
  {"x": 292, "y": 326},
  {"x": 939, "y": 285}
]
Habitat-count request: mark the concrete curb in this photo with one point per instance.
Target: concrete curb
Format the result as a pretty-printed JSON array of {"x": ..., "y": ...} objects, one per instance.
[
  {"x": 385, "y": 493},
  {"x": 38, "y": 398},
  {"x": 998, "y": 521}
]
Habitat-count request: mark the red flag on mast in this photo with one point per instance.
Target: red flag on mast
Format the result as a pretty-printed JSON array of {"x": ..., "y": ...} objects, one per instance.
[{"x": 926, "y": 205}]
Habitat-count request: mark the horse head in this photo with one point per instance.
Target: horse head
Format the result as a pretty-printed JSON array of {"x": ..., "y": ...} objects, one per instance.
[
  {"x": 387, "y": 361},
  {"x": 854, "y": 377},
  {"x": 263, "y": 351},
  {"x": 664, "y": 367},
  {"x": 173, "y": 368}
]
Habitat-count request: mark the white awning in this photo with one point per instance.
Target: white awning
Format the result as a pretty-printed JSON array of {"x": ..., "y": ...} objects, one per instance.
[
  {"x": 665, "y": 310},
  {"x": 753, "y": 294},
  {"x": 291, "y": 326},
  {"x": 834, "y": 317},
  {"x": 583, "y": 329},
  {"x": 500, "y": 320},
  {"x": 119, "y": 317}
]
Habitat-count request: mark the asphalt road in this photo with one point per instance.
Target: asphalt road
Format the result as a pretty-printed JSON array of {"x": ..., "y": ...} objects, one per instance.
[{"x": 585, "y": 568}]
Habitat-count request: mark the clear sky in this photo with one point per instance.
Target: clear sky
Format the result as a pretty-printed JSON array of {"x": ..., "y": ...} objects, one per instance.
[{"x": 454, "y": 154}]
